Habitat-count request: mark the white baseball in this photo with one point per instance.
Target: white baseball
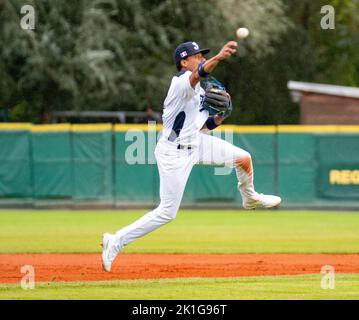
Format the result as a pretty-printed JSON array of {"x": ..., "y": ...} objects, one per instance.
[{"x": 242, "y": 33}]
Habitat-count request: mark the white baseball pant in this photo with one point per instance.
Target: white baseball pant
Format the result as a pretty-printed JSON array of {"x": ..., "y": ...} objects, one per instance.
[{"x": 174, "y": 166}]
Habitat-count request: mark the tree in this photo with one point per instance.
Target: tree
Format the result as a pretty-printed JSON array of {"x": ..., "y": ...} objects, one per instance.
[
  {"x": 51, "y": 67},
  {"x": 335, "y": 49},
  {"x": 117, "y": 54}
]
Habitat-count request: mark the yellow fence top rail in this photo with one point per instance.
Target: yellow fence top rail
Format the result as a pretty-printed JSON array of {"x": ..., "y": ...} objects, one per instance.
[
  {"x": 51, "y": 127},
  {"x": 318, "y": 128},
  {"x": 246, "y": 129},
  {"x": 138, "y": 127},
  {"x": 158, "y": 127},
  {"x": 15, "y": 126},
  {"x": 92, "y": 127},
  {"x": 60, "y": 127}
]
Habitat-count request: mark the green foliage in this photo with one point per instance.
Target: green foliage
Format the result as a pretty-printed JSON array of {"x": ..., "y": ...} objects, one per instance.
[
  {"x": 260, "y": 85},
  {"x": 336, "y": 51},
  {"x": 111, "y": 54},
  {"x": 117, "y": 54}
]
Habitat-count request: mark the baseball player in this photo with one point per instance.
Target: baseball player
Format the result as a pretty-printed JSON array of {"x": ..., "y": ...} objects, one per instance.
[{"x": 185, "y": 142}]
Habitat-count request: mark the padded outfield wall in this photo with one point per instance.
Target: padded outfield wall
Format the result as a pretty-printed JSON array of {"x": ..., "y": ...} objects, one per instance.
[{"x": 305, "y": 165}]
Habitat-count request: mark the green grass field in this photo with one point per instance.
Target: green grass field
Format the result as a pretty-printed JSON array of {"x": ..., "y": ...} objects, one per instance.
[
  {"x": 192, "y": 232},
  {"x": 249, "y": 288}
]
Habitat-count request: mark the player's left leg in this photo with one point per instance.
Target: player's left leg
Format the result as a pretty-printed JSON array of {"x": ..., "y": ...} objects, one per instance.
[{"x": 216, "y": 151}]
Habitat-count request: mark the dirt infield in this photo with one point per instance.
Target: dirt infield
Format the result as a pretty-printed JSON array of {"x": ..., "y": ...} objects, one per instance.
[{"x": 87, "y": 267}]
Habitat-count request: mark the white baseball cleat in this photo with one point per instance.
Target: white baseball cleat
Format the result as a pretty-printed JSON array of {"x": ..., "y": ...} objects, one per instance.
[
  {"x": 109, "y": 252},
  {"x": 262, "y": 201}
]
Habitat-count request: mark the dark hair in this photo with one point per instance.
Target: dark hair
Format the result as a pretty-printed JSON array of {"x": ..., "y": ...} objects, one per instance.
[{"x": 178, "y": 65}]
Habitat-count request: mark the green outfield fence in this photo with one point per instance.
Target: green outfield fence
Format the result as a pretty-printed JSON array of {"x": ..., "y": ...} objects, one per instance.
[{"x": 83, "y": 164}]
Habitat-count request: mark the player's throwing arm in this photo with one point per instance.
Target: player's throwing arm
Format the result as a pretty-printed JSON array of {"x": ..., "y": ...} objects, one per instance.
[{"x": 206, "y": 67}]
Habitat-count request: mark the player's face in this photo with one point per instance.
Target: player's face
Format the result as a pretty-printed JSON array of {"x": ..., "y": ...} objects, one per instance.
[{"x": 192, "y": 62}]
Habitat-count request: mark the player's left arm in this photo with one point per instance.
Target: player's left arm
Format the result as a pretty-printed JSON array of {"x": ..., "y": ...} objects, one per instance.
[{"x": 213, "y": 122}]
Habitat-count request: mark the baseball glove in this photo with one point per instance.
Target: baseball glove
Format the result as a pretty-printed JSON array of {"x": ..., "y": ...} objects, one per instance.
[{"x": 216, "y": 100}]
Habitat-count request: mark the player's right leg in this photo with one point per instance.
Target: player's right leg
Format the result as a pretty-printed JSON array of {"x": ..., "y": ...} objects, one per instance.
[
  {"x": 220, "y": 152},
  {"x": 174, "y": 167}
]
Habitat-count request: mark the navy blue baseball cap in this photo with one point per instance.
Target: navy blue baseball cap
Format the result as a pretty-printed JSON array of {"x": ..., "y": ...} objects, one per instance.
[{"x": 185, "y": 50}]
